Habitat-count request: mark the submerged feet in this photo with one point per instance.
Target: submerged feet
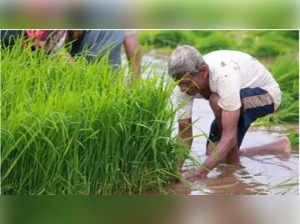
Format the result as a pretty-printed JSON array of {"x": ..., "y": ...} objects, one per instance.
[
  {"x": 286, "y": 147},
  {"x": 287, "y": 144}
]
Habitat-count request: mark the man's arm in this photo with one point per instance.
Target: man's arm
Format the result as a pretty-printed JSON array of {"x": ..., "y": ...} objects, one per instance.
[
  {"x": 185, "y": 132},
  {"x": 133, "y": 52},
  {"x": 229, "y": 121}
]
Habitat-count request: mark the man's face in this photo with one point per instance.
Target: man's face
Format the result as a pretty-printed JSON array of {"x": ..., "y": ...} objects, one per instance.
[
  {"x": 190, "y": 84},
  {"x": 193, "y": 84},
  {"x": 196, "y": 83}
]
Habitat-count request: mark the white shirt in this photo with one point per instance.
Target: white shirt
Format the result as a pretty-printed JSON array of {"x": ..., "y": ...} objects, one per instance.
[{"x": 231, "y": 71}]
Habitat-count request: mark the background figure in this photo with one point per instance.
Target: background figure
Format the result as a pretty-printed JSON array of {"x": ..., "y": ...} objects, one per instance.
[{"x": 94, "y": 44}]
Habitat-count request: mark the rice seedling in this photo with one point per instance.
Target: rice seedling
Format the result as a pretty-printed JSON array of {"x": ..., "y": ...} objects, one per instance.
[
  {"x": 79, "y": 129},
  {"x": 294, "y": 34},
  {"x": 266, "y": 48},
  {"x": 286, "y": 72},
  {"x": 167, "y": 39},
  {"x": 215, "y": 42},
  {"x": 294, "y": 138}
]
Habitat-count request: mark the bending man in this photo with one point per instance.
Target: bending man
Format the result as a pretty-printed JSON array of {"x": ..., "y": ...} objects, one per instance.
[{"x": 239, "y": 90}]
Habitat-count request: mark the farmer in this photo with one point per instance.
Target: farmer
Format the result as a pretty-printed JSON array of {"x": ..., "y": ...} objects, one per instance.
[
  {"x": 239, "y": 90},
  {"x": 93, "y": 44}
]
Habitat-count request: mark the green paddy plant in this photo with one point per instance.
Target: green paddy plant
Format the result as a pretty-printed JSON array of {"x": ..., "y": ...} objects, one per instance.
[
  {"x": 81, "y": 129},
  {"x": 169, "y": 39},
  {"x": 215, "y": 41},
  {"x": 286, "y": 72}
]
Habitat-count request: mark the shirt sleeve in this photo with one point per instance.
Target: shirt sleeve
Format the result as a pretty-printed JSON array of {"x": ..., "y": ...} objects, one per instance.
[
  {"x": 183, "y": 103},
  {"x": 228, "y": 88}
]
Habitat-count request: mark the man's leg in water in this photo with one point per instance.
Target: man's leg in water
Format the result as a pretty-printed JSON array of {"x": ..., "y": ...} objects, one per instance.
[{"x": 279, "y": 147}]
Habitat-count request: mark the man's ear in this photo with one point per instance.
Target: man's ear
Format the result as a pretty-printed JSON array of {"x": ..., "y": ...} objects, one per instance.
[{"x": 204, "y": 71}]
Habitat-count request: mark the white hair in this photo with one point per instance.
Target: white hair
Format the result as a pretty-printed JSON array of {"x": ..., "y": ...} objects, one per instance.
[{"x": 184, "y": 59}]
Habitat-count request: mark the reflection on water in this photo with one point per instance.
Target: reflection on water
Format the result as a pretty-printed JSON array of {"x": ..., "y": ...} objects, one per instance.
[{"x": 258, "y": 175}]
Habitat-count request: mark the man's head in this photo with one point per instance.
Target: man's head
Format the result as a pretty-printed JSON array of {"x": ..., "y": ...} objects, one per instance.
[{"x": 188, "y": 67}]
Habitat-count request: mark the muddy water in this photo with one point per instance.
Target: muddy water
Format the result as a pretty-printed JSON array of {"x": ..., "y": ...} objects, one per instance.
[{"x": 258, "y": 175}]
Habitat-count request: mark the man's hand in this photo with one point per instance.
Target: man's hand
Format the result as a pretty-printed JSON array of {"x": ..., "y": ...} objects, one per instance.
[{"x": 133, "y": 52}]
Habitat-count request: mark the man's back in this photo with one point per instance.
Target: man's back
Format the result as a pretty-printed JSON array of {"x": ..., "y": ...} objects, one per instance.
[
  {"x": 231, "y": 71},
  {"x": 94, "y": 44}
]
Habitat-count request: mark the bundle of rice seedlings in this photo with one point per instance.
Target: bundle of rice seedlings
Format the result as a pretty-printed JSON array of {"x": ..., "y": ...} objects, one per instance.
[{"x": 80, "y": 129}]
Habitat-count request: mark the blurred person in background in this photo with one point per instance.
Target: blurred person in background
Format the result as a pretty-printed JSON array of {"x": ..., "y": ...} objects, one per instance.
[
  {"x": 50, "y": 40},
  {"x": 239, "y": 90},
  {"x": 8, "y": 37},
  {"x": 92, "y": 44}
]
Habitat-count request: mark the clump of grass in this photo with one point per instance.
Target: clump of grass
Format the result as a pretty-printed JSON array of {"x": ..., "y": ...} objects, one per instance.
[
  {"x": 166, "y": 39},
  {"x": 146, "y": 38},
  {"x": 293, "y": 34},
  {"x": 257, "y": 43},
  {"x": 275, "y": 43},
  {"x": 247, "y": 43},
  {"x": 201, "y": 33},
  {"x": 79, "y": 129},
  {"x": 266, "y": 48},
  {"x": 170, "y": 39},
  {"x": 294, "y": 138},
  {"x": 205, "y": 41},
  {"x": 286, "y": 72},
  {"x": 215, "y": 41}
]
